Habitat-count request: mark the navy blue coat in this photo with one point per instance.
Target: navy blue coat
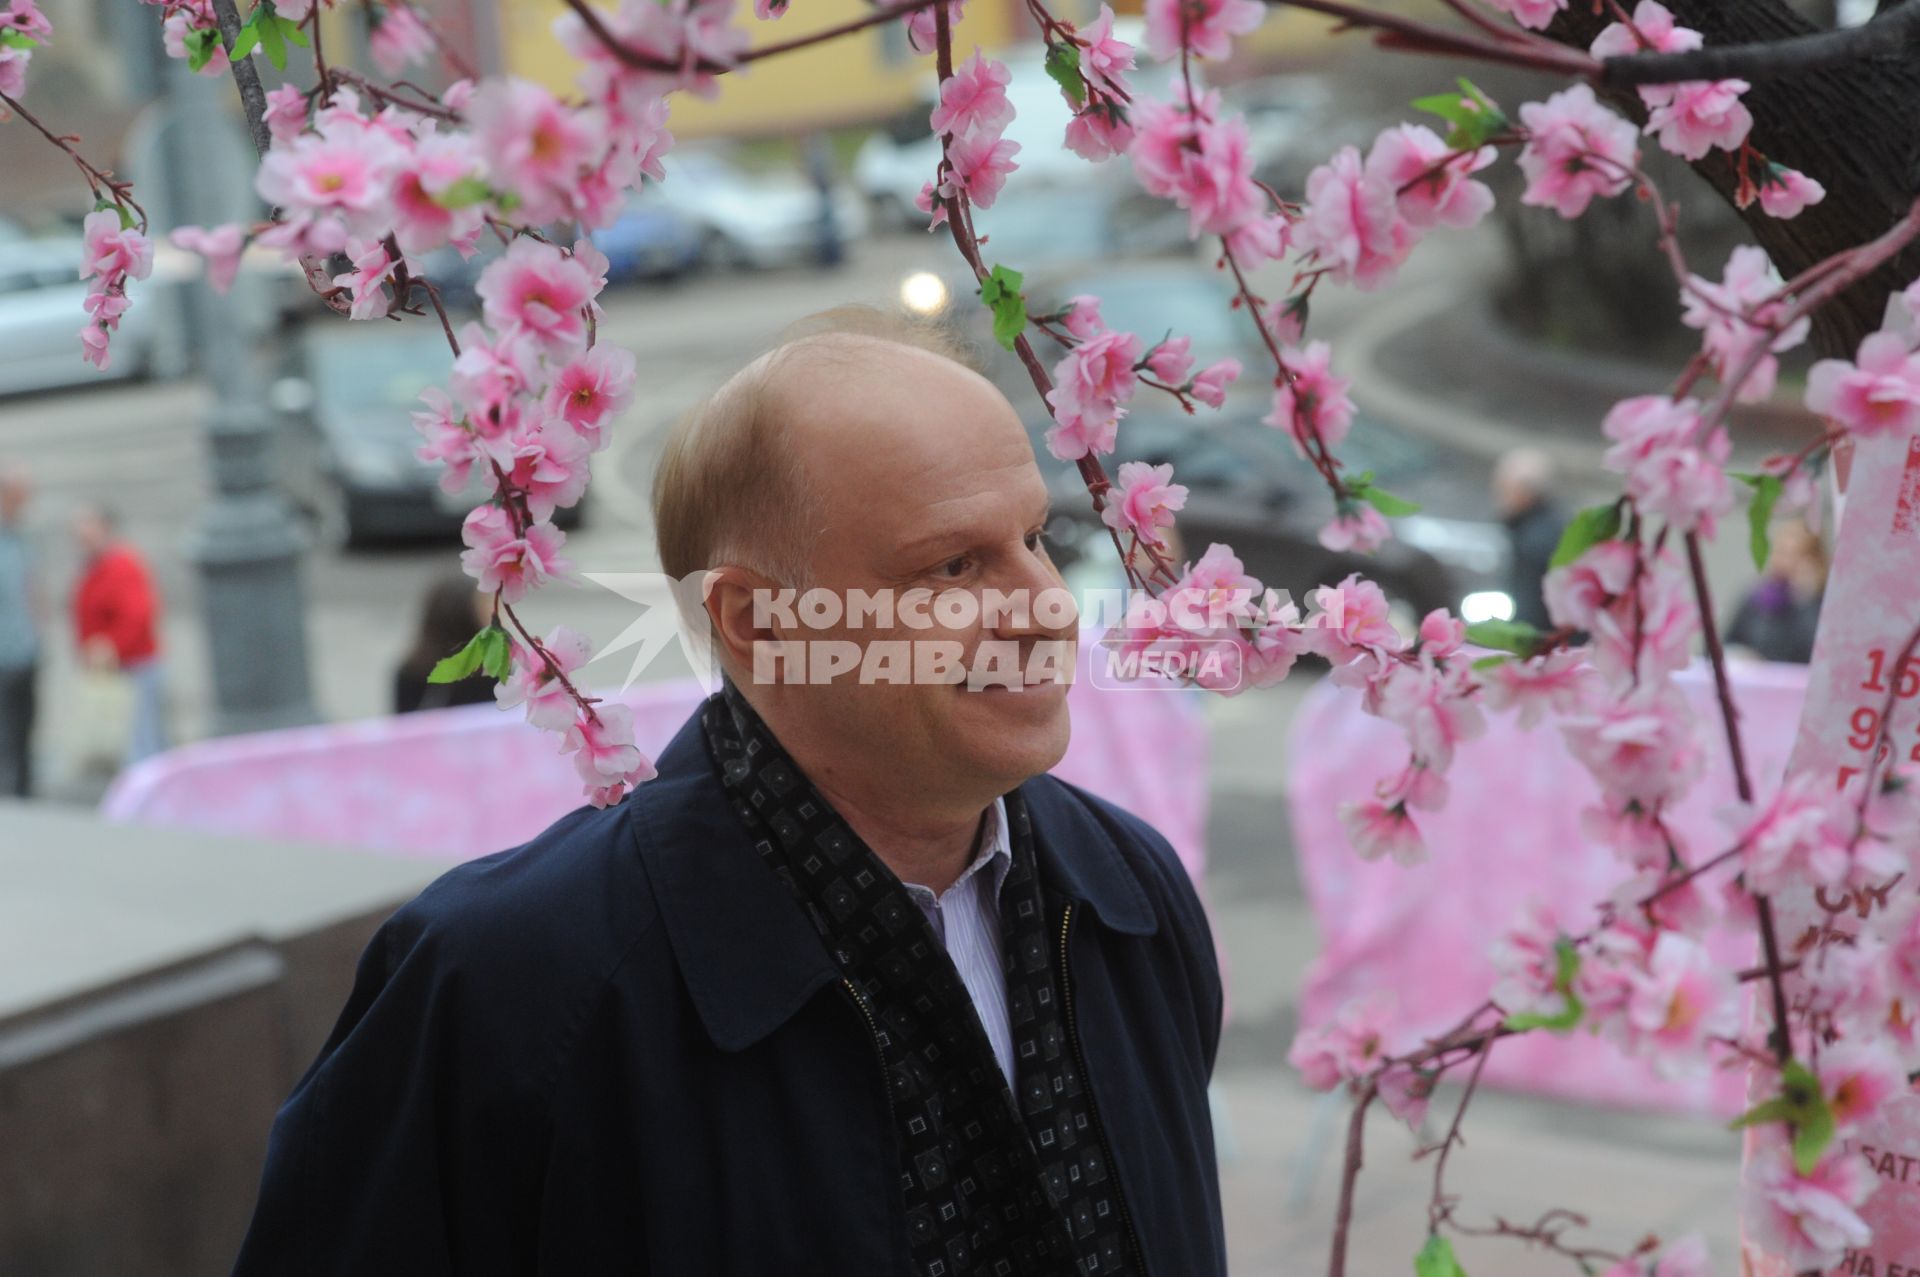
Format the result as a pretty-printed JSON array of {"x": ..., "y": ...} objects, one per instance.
[{"x": 623, "y": 1049}]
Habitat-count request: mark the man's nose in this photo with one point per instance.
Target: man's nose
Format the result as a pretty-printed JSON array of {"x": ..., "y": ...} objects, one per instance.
[{"x": 1047, "y": 608}]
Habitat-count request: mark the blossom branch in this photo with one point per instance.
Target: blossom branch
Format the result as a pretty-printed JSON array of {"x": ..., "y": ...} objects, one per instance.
[
  {"x": 246, "y": 78},
  {"x": 641, "y": 60},
  {"x": 1887, "y": 34},
  {"x": 99, "y": 180}
]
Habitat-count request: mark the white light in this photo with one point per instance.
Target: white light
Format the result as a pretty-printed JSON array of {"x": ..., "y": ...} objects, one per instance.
[
  {"x": 923, "y": 293},
  {"x": 1486, "y": 605}
]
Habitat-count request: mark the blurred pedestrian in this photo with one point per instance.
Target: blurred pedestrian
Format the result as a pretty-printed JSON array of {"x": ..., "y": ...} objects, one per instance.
[
  {"x": 22, "y": 612},
  {"x": 116, "y": 617},
  {"x": 828, "y": 250},
  {"x": 1523, "y": 483},
  {"x": 452, "y": 610},
  {"x": 1777, "y": 619}
]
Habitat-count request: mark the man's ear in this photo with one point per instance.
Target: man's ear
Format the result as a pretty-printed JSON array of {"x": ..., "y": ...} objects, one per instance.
[{"x": 746, "y": 608}]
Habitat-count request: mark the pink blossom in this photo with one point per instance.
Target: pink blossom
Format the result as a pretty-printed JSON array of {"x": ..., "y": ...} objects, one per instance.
[
  {"x": 504, "y": 561},
  {"x": 1205, "y": 27},
  {"x": 1352, "y": 223},
  {"x": 1098, "y": 132},
  {"x": 1684, "y": 999},
  {"x": 1653, "y": 30},
  {"x": 366, "y": 281},
  {"x": 1358, "y": 528},
  {"x": 448, "y": 440},
  {"x": 547, "y": 463},
  {"x": 23, "y": 17},
  {"x": 535, "y": 290},
  {"x": 286, "y": 113},
  {"x": 1104, "y": 61},
  {"x": 1699, "y": 115},
  {"x": 1526, "y": 964},
  {"x": 921, "y": 30},
  {"x": 489, "y": 376},
  {"x": 1577, "y": 593},
  {"x": 1406, "y": 1092},
  {"x": 1530, "y": 13},
  {"x": 1286, "y": 319},
  {"x": 1429, "y": 178},
  {"x": 974, "y": 98},
  {"x": 1171, "y": 360},
  {"x": 1432, "y": 704},
  {"x": 1083, "y": 320},
  {"x": 1635, "y": 833},
  {"x": 1641, "y": 748},
  {"x": 1805, "y": 834},
  {"x": 1878, "y": 393},
  {"x": 1349, "y": 1046},
  {"x": 537, "y": 147},
  {"x": 112, "y": 253},
  {"x": 533, "y": 684},
  {"x": 1784, "y": 192},
  {"x": 1442, "y": 633},
  {"x": 328, "y": 186},
  {"x": 174, "y": 30},
  {"x": 1669, "y": 474},
  {"x": 609, "y": 763},
  {"x": 980, "y": 165},
  {"x": 1092, "y": 385},
  {"x": 1858, "y": 1078},
  {"x": 221, "y": 247},
  {"x": 1183, "y": 152},
  {"x": 400, "y": 41},
  {"x": 423, "y": 219},
  {"x": 1576, "y": 149},
  {"x": 1263, "y": 239},
  {"x": 1352, "y": 621},
  {"x": 1687, "y": 1257},
  {"x": 1270, "y": 654},
  {"x": 1143, "y": 501},
  {"x": 1215, "y": 592},
  {"x": 1311, "y": 402},
  {"x": 1379, "y": 830},
  {"x": 1210, "y": 387},
  {"x": 1558, "y": 681},
  {"x": 589, "y": 391},
  {"x": 1805, "y": 1221},
  {"x": 1735, "y": 313},
  {"x": 13, "y": 70}
]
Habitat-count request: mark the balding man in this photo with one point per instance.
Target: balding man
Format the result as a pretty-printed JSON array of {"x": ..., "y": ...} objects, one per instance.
[{"x": 851, "y": 988}]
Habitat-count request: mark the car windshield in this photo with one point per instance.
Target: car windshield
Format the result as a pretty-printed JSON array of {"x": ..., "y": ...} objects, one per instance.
[{"x": 371, "y": 385}]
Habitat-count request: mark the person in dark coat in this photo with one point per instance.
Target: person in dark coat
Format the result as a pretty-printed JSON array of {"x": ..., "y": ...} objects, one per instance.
[
  {"x": 450, "y": 614},
  {"x": 1777, "y": 619},
  {"x": 851, "y": 987},
  {"x": 1523, "y": 495}
]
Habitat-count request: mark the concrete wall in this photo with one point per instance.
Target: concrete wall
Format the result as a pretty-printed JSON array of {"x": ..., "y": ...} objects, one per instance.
[{"x": 160, "y": 993}]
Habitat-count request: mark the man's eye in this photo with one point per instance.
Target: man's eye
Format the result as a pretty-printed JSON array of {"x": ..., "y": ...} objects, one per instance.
[
  {"x": 1035, "y": 540},
  {"x": 956, "y": 566}
]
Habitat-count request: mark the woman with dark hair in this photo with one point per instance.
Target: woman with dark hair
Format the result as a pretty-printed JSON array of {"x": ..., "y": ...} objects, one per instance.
[
  {"x": 453, "y": 611},
  {"x": 1777, "y": 619}
]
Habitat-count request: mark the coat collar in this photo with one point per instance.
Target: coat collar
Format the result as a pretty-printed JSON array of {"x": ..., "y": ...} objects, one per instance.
[{"x": 749, "y": 955}]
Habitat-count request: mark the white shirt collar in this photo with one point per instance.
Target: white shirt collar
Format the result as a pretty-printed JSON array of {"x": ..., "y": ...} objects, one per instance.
[{"x": 995, "y": 849}]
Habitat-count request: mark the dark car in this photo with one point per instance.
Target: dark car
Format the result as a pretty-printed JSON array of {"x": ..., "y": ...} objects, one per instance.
[
  {"x": 349, "y": 442},
  {"x": 649, "y": 240},
  {"x": 1247, "y": 487}
]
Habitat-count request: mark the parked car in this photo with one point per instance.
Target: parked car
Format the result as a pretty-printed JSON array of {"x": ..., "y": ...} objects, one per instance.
[
  {"x": 753, "y": 219},
  {"x": 651, "y": 239},
  {"x": 1247, "y": 487},
  {"x": 348, "y": 458},
  {"x": 41, "y": 312}
]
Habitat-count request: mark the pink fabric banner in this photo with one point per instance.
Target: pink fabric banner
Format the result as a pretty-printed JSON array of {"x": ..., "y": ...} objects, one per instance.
[{"x": 1509, "y": 834}]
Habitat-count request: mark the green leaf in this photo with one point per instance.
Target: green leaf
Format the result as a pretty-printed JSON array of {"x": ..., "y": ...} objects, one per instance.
[
  {"x": 464, "y": 193},
  {"x": 291, "y": 30},
  {"x": 1000, "y": 290},
  {"x": 273, "y": 41},
  {"x": 12, "y": 39},
  {"x": 102, "y": 204},
  {"x": 244, "y": 43},
  {"x": 1803, "y": 1107},
  {"x": 199, "y": 46},
  {"x": 1766, "y": 494},
  {"x": 1474, "y": 115},
  {"x": 1385, "y": 502},
  {"x": 1585, "y": 530},
  {"x": 1436, "y": 1259},
  {"x": 488, "y": 650},
  {"x": 1063, "y": 64},
  {"x": 1491, "y": 662},
  {"x": 1506, "y": 636},
  {"x": 1566, "y": 970}
]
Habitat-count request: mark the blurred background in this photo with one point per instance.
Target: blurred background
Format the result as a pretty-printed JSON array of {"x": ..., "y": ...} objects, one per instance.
[{"x": 234, "y": 517}]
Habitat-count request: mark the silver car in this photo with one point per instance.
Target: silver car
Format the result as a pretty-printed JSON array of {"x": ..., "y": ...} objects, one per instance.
[{"x": 41, "y": 314}]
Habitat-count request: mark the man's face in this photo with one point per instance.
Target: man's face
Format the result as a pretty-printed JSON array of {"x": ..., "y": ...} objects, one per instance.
[{"x": 925, "y": 486}]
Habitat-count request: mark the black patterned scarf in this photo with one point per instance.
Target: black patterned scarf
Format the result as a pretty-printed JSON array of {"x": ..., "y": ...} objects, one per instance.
[{"x": 989, "y": 1185}]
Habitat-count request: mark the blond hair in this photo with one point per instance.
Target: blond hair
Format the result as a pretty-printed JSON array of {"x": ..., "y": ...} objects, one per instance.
[{"x": 728, "y": 489}]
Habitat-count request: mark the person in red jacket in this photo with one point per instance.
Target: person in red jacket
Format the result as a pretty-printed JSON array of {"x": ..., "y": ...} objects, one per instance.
[{"x": 116, "y": 619}]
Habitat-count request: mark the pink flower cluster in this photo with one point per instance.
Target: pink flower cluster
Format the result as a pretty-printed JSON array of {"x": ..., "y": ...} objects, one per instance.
[
  {"x": 184, "y": 18},
  {"x": 1738, "y": 317},
  {"x": 1354, "y": 1046},
  {"x": 1186, "y": 151},
  {"x": 973, "y": 113},
  {"x": 399, "y": 40},
  {"x": 1576, "y": 150},
  {"x": 1204, "y": 28},
  {"x": 1692, "y": 117},
  {"x": 1672, "y": 472},
  {"x": 112, "y": 255},
  {"x": 1143, "y": 501},
  {"x": 1217, "y": 622},
  {"x": 1877, "y": 393},
  {"x": 1310, "y": 400},
  {"x": 1100, "y": 127},
  {"x": 599, "y": 737},
  {"x": 22, "y": 21}
]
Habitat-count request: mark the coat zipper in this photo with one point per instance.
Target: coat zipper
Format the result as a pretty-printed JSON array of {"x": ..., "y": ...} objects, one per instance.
[
  {"x": 873, "y": 1029},
  {"x": 1086, "y": 1081}
]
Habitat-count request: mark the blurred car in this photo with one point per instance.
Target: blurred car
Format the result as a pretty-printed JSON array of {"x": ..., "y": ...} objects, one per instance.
[
  {"x": 753, "y": 219},
  {"x": 348, "y": 449},
  {"x": 1248, "y": 488},
  {"x": 650, "y": 239},
  {"x": 41, "y": 313}
]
